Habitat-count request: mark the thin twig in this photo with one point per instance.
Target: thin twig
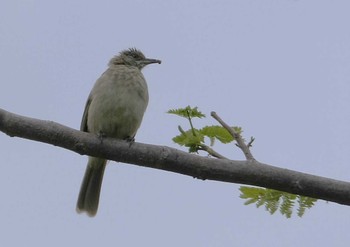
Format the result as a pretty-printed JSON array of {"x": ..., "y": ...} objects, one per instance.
[
  {"x": 252, "y": 139},
  {"x": 238, "y": 138},
  {"x": 211, "y": 152},
  {"x": 190, "y": 120}
]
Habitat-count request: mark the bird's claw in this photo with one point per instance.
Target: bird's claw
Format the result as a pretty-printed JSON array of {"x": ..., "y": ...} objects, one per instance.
[{"x": 130, "y": 140}]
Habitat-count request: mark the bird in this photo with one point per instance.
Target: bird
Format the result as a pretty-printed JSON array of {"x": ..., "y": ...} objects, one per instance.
[{"x": 114, "y": 108}]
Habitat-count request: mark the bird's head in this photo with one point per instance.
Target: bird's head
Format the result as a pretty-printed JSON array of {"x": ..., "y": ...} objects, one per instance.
[{"x": 132, "y": 57}]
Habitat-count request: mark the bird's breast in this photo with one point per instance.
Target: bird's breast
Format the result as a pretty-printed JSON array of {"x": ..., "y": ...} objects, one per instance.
[{"x": 119, "y": 100}]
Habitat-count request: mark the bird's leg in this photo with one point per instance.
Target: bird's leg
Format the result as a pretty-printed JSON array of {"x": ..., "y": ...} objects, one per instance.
[
  {"x": 130, "y": 140},
  {"x": 101, "y": 135}
]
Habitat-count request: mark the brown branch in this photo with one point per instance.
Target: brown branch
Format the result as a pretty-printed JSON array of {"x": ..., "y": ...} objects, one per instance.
[
  {"x": 169, "y": 159},
  {"x": 238, "y": 138}
]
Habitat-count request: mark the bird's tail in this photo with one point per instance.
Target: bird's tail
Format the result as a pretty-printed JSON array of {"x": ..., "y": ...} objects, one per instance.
[{"x": 89, "y": 194}]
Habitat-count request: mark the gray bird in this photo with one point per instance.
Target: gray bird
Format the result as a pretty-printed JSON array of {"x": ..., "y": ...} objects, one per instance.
[{"x": 115, "y": 108}]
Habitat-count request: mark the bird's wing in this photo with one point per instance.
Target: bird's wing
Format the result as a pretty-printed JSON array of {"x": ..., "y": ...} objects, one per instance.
[{"x": 83, "y": 125}]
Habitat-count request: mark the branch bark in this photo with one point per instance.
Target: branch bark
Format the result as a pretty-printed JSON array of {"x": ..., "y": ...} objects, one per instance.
[{"x": 249, "y": 172}]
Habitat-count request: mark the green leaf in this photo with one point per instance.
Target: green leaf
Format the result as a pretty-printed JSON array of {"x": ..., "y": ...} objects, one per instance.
[
  {"x": 191, "y": 139},
  {"x": 305, "y": 203},
  {"x": 287, "y": 204},
  {"x": 217, "y": 132},
  {"x": 187, "y": 112}
]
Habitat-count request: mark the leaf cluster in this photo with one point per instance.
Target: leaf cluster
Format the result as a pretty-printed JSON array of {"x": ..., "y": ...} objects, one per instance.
[
  {"x": 194, "y": 138},
  {"x": 274, "y": 200}
]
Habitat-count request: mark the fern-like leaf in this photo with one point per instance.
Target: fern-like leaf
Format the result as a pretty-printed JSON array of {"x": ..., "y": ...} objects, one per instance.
[
  {"x": 187, "y": 112},
  {"x": 305, "y": 203},
  {"x": 274, "y": 200},
  {"x": 287, "y": 204}
]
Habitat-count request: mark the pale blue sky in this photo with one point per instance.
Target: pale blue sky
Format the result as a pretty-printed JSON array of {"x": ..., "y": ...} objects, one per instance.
[{"x": 278, "y": 68}]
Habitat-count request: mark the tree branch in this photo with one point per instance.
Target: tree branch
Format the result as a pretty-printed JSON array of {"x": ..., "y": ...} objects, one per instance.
[
  {"x": 169, "y": 159},
  {"x": 238, "y": 138}
]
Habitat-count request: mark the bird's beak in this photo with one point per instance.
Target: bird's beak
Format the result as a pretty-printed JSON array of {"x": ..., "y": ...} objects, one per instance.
[{"x": 150, "y": 60}]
